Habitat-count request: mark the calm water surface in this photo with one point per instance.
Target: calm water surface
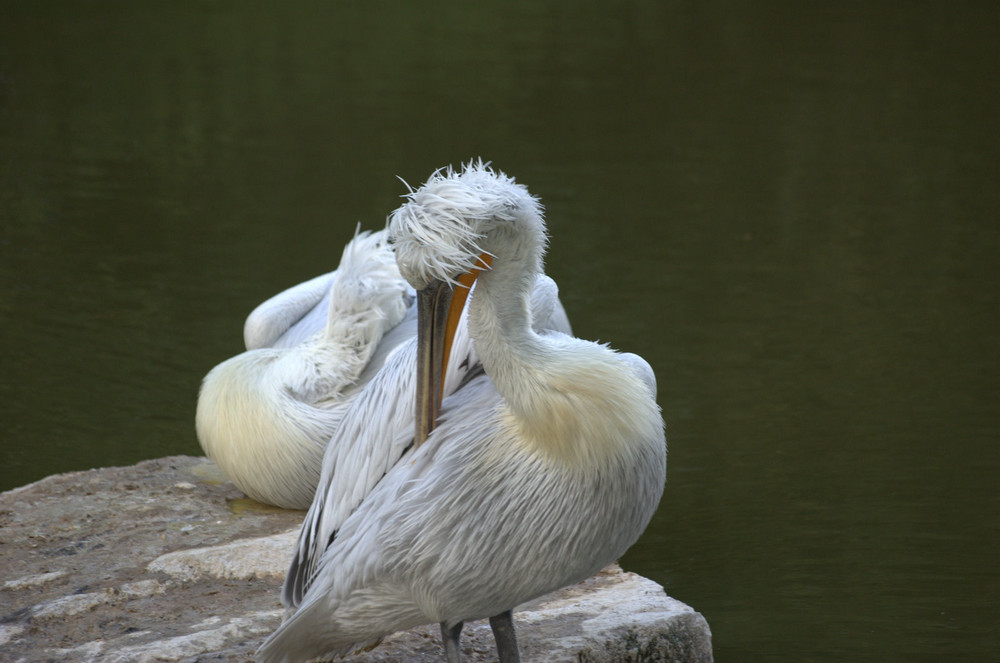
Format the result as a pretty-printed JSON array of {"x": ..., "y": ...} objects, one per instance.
[{"x": 791, "y": 213}]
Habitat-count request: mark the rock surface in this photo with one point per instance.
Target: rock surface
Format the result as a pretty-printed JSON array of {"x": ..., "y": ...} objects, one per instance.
[{"x": 167, "y": 561}]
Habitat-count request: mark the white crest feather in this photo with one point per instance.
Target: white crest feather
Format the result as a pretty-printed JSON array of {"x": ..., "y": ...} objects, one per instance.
[{"x": 437, "y": 232}]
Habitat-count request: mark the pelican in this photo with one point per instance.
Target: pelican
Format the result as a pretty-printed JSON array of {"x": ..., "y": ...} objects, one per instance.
[
  {"x": 537, "y": 471},
  {"x": 266, "y": 415}
]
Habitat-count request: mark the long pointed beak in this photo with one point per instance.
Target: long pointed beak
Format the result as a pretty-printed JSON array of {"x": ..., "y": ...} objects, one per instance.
[{"x": 439, "y": 310}]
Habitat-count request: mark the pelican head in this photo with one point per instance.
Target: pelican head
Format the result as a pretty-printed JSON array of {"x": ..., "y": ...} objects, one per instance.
[
  {"x": 456, "y": 217},
  {"x": 448, "y": 232}
]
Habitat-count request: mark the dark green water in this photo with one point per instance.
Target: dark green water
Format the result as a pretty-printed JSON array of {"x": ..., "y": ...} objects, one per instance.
[{"x": 791, "y": 212}]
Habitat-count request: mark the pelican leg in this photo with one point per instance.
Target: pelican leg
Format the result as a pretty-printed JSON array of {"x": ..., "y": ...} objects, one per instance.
[
  {"x": 450, "y": 638},
  {"x": 503, "y": 633}
]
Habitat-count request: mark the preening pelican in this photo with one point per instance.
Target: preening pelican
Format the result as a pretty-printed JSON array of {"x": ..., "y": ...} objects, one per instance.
[
  {"x": 266, "y": 416},
  {"x": 538, "y": 471}
]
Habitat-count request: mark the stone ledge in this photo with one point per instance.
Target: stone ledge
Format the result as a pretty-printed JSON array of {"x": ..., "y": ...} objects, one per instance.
[{"x": 167, "y": 561}]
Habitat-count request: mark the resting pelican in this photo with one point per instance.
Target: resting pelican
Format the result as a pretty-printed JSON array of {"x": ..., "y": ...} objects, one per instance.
[
  {"x": 266, "y": 416},
  {"x": 540, "y": 471}
]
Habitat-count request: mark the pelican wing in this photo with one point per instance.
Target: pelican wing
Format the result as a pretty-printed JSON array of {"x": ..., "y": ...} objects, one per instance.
[
  {"x": 291, "y": 316},
  {"x": 378, "y": 429},
  {"x": 302, "y": 311},
  {"x": 547, "y": 312},
  {"x": 373, "y": 435}
]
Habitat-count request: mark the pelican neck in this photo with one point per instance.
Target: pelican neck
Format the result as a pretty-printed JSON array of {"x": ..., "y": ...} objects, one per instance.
[{"x": 500, "y": 323}]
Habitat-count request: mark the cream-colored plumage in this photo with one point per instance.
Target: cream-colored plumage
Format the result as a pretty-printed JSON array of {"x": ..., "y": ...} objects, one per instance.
[{"x": 541, "y": 470}]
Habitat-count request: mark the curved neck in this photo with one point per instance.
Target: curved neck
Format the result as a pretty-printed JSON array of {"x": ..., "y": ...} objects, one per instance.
[
  {"x": 500, "y": 323},
  {"x": 569, "y": 399}
]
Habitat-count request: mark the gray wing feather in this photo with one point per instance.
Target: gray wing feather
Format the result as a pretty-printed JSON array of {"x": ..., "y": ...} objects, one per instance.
[{"x": 378, "y": 429}]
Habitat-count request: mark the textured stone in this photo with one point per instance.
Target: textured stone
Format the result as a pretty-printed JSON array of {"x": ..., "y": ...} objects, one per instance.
[
  {"x": 245, "y": 559},
  {"x": 167, "y": 561}
]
